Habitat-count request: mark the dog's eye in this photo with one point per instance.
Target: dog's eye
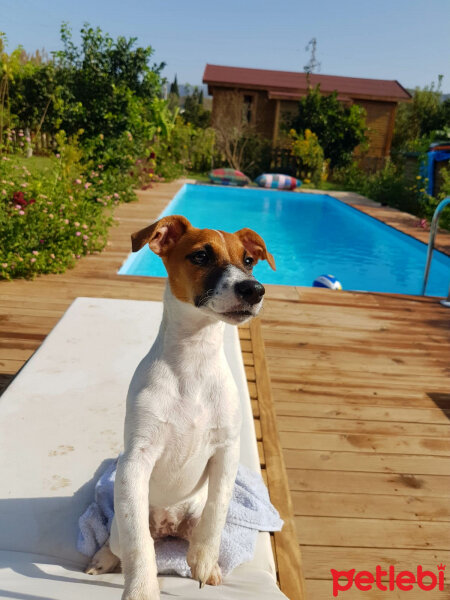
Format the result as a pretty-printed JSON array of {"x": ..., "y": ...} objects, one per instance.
[
  {"x": 199, "y": 258},
  {"x": 248, "y": 261}
]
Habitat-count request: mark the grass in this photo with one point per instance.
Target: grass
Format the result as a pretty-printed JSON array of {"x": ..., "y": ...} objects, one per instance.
[
  {"x": 36, "y": 164},
  {"x": 325, "y": 186}
]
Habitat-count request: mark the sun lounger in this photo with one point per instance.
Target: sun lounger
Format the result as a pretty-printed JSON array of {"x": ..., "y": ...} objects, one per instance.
[{"x": 60, "y": 420}]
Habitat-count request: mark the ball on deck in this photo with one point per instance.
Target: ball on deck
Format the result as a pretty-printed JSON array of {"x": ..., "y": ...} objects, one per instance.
[{"x": 327, "y": 281}]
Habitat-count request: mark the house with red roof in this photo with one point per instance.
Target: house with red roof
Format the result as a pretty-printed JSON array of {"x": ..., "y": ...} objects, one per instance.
[{"x": 265, "y": 99}]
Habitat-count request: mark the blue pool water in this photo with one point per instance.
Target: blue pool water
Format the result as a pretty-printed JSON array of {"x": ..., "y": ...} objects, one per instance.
[{"x": 308, "y": 235}]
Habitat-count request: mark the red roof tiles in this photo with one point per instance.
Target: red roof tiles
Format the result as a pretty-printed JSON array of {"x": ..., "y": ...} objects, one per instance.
[{"x": 280, "y": 83}]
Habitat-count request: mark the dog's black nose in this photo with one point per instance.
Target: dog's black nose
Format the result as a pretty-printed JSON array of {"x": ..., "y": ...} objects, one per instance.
[{"x": 249, "y": 290}]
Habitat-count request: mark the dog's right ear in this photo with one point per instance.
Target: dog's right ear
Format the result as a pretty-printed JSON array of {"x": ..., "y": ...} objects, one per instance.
[{"x": 162, "y": 235}]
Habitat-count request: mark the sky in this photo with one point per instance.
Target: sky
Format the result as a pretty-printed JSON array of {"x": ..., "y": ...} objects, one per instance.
[{"x": 406, "y": 40}]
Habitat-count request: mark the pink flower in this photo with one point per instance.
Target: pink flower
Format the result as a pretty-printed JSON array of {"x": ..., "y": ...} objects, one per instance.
[
  {"x": 100, "y": 166},
  {"x": 33, "y": 260},
  {"x": 4, "y": 265},
  {"x": 76, "y": 224},
  {"x": 24, "y": 185},
  {"x": 78, "y": 233},
  {"x": 87, "y": 185},
  {"x": 78, "y": 256},
  {"x": 35, "y": 252},
  {"x": 58, "y": 155},
  {"x": 52, "y": 255},
  {"x": 21, "y": 212},
  {"x": 66, "y": 221},
  {"x": 116, "y": 195},
  {"x": 85, "y": 237},
  {"x": 84, "y": 226},
  {"x": 78, "y": 181},
  {"x": 20, "y": 133}
]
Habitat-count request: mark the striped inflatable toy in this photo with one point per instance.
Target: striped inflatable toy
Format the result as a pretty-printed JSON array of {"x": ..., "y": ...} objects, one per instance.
[
  {"x": 327, "y": 281},
  {"x": 228, "y": 177},
  {"x": 277, "y": 181}
]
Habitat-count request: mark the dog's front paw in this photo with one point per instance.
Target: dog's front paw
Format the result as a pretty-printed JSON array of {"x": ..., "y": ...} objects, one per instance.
[
  {"x": 141, "y": 590},
  {"x": 202, "y": 560}
]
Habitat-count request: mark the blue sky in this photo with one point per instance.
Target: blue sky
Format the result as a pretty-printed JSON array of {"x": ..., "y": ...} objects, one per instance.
[{"x": 406, "y": 40}]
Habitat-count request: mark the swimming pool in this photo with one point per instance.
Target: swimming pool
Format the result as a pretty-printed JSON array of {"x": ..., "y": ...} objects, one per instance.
[{"x": 308, "y": 235}]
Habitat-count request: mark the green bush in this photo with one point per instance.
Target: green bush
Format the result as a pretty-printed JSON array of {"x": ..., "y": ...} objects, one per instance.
[
  {"x": 186, "y": 148},
  {"x": 194, "y": 112},
  {"x": 339, "y": 129},
  {"x": 388, "y": 186},
  {"x": 351, "y": 177},
  {"x": 420, "y": 121},
  {"x": 429, "y": 203},
  {"x": 309, "y": 154}
]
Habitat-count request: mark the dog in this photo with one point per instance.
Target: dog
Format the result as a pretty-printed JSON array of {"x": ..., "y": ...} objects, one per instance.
[{"x": 182, "y": 425}]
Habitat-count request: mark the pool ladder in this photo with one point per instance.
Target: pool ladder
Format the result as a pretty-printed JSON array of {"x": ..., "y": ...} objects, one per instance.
[{"x": 433, "y": 230}]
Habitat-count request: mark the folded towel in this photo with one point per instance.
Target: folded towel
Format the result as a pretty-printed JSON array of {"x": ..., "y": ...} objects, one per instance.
[{"x": 250, "y": 511}]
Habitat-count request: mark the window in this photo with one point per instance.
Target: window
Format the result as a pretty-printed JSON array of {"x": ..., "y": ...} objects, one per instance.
[{"x": 248, "y": 108}]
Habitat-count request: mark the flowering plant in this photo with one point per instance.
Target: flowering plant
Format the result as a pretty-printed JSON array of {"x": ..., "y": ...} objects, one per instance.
[{"x": 49, "y": 218}]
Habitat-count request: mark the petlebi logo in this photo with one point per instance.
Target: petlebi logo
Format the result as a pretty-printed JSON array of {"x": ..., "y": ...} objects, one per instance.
[{"x": 388, "y": 580}]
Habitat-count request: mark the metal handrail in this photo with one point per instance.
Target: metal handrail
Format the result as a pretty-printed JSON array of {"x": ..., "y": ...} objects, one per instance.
[{"x": 433, "y": 230}]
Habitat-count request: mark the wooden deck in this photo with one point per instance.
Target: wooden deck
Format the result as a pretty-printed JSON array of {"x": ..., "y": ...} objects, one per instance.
[{"x": 360, "y": 386}]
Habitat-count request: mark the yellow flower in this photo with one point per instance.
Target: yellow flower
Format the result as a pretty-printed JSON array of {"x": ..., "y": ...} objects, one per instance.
[{"x": 418, "y": 177}]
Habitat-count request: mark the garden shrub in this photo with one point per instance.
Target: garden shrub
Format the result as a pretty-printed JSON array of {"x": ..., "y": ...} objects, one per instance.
[
  {"x": 309, "y": 154},
  {"x": 420, "y": 121},
  {"x": 339, "y": 128},
  {"x": 50, "y": 218}
]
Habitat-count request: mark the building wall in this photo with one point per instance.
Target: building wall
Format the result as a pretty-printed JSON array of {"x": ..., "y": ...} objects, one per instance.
[
  {"x": 228, "y": 110},
  {"x": 379, "y": 121},
  {"x": 228, "y": 107}
]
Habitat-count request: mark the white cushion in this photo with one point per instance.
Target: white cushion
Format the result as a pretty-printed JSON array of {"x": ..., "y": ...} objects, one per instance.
[{"x": 60, "y": 420}]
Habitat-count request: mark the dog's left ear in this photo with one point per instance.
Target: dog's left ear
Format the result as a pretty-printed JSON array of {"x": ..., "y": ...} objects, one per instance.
[
  {"x": 162, "y": 235},
  {"x": 255, "y": 245}
]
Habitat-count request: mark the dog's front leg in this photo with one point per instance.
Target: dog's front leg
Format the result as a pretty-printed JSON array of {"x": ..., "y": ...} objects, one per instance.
[
  {"x": 204, "y": 544},
  {"x": 131, "y": 508}
]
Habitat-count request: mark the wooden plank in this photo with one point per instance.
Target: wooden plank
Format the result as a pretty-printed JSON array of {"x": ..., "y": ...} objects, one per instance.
[
  {"x": 319, "y": 424},
  {"x": 366, "y": 462},
  {"x": 287, "y": 550},
  {"x": 372, "y": 533},
  {"x": 318, "y": 560},
  {"x": 400, "y": 444},
  {"x": 373, "y": 506},
  {"x": 323, "y": 590},
  {"x": 365, "y": 413},
  {"x": 398, "y": 484},
  {"x": 351, "y": 393}
]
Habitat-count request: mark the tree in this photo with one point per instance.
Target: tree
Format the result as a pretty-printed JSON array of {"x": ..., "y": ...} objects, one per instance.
[
  {"x": 174, "y": 88},
  {"x": 194, "y": 111},
  {"x": 106, "y": 86},
  {"x": 416, "y": 121},
  {"x": 339, "y": 128}
]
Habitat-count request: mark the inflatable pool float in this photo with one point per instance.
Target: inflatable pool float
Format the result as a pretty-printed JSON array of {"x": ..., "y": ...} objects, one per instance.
[
  {"x": 228, "y": 177},
  {"x": 277, "y": 181}
]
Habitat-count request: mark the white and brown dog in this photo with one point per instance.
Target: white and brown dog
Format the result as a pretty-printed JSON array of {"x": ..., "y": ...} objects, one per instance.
[{"x": 182, "y": 423}]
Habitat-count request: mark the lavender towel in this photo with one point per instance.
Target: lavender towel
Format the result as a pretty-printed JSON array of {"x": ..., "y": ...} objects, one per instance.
[{"x": 250, "y": 511}]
